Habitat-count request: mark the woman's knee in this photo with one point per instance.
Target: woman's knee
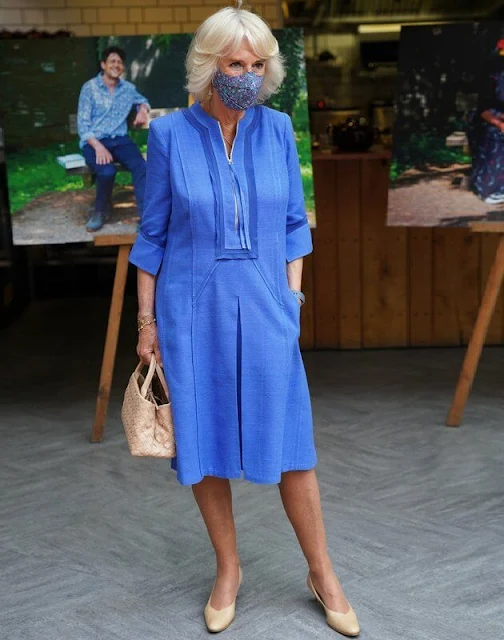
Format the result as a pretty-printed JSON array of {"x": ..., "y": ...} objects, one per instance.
[{"x": 211, "y": 487}]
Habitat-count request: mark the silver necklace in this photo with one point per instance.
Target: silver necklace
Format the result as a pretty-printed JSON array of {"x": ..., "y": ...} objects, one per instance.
[{"x": 230, "y": 143}]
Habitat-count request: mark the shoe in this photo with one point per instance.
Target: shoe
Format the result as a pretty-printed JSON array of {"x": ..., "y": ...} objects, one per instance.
[
  {"x": 96, "y": 221},
  {"x": 495, "y": 198},
  {"x": 220, "y": 619},
  {"x": 345, "y": 623}
]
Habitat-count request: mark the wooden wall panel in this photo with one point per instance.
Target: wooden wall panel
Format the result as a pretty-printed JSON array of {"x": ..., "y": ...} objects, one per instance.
[
  {"x": 325, "y": 258},
  {"x": 348, "y": 214},
  {"x": 469, "y": 284},
  {"x": 489, "y": 244},
  {"x": 420, "y": 286},
  {"x": 456, "y": 285},
  {"x": 384, "y": 262},
  {"x": 445, "y": 326}
]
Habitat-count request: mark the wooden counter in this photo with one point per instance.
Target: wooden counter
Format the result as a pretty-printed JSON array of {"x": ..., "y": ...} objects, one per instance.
[
  {"x": 369, "y": 285},
  {"x": 375, "y": 153}
]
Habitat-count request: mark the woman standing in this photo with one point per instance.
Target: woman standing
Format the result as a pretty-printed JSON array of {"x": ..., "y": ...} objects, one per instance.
[
  {"x": 487, "y": 138},
  {"x": 219, "y": 256}
]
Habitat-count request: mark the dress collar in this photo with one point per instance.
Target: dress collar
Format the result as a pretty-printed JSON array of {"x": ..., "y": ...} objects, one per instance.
[{"x": 211, "y": 123}]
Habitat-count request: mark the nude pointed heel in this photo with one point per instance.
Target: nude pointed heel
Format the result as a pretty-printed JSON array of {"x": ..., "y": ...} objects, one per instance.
[
  {"x": 345, "y": 623},
  {"x": 219, "y": 619}
]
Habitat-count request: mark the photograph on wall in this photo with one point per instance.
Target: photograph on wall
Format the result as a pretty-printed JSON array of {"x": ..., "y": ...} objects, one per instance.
[
  {"x": 447, "y": 166},
  {"x": 47, "y": 89},
  {"x": 46, "y": 97}
]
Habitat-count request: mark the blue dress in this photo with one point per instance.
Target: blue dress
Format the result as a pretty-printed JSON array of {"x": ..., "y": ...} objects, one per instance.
[
  {"x": 218, "y": 232},
  {"x": 486, "y": 140}
]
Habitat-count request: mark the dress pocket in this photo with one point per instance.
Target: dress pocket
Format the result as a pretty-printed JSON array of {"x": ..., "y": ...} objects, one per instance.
[
  {"x": 293, "y": 311},
  {"x": 272, "y": 289},
  {"x": 296, "y": 304},
  {"x": 204, "y": 281}
]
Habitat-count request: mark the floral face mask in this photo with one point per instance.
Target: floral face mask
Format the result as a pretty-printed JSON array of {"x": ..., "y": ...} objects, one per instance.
[{"x": 238, "y": 92}]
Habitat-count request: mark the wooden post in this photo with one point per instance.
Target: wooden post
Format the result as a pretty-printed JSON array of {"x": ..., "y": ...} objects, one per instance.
[
  {"x": 124, "y": 243},
  {"x": 473, "y": 353}
]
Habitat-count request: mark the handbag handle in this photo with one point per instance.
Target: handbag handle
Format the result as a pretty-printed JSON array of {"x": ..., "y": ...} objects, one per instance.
[
  {"x": 162, "y": 380},
  {"x": 153, "y": 366},
  {"x": 148, "y": 377}
]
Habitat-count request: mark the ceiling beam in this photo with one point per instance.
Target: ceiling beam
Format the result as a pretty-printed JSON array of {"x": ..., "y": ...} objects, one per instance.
[{"x": 413, "y": 17}]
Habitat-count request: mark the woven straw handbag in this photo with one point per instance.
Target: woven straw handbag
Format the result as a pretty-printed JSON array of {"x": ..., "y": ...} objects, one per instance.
[{"x": 146, "y": 413}]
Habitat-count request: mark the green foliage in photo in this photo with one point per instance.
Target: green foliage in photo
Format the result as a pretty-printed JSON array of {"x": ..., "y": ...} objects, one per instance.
[
  {"x": 424, "y": 150},
  {"x": 35, "y": 172},
  {"x": 291, "y": 45},
  {"x": 300, "y": 120}
]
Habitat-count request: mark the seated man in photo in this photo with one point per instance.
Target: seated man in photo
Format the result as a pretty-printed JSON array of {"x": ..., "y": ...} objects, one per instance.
[{"x": 104, "y": 104}]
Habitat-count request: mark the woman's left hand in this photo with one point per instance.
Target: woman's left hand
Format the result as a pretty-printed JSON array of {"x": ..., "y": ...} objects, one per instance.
[{"x": 148, "y": 344}]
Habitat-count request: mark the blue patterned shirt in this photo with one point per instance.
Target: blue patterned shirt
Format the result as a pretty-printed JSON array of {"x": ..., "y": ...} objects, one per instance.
[{"x": 103, "y": 113}]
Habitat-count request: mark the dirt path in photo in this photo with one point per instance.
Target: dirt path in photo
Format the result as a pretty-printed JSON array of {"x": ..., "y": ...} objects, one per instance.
[
  {"x": 443, "y": 201},
  {"x": 60, "y": 218}
]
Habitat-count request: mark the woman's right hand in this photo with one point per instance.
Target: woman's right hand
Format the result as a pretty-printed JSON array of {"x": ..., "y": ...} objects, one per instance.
[{"x": 148, "y": 344}]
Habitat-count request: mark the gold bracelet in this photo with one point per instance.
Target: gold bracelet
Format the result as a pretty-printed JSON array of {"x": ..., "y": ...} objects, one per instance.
[{"x": 144, "y": 323}]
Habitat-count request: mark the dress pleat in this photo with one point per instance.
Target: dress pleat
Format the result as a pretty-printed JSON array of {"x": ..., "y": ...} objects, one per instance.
[{"x": 239, "y": 387}]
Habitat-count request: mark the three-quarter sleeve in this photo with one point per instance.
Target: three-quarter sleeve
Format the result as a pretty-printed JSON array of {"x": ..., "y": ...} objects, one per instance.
[
  {"x": 298, "y": 240},
  {"x": 148, "y": 250}
]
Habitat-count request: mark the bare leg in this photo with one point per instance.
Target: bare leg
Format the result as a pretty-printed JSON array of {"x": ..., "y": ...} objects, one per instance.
[
  {"x": 214, "y": 499},
  {"x": 300, "y": 495}
]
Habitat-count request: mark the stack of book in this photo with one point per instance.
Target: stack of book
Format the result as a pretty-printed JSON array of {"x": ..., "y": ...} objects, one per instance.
[{"x": 71, "y": 161}]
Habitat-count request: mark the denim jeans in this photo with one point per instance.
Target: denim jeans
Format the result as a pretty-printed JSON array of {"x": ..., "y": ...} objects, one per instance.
[{"x": 124, "y": 151}]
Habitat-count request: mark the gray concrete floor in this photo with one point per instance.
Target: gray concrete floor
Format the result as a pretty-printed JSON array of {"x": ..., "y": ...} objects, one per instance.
[{"x": 95, "y": 544}]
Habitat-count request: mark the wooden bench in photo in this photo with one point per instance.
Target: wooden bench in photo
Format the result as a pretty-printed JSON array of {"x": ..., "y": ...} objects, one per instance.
[{"x": 88, "y": 176}]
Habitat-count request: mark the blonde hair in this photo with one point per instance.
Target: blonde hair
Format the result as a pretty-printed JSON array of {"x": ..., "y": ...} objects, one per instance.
[{"x": 222, "y": 34}]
